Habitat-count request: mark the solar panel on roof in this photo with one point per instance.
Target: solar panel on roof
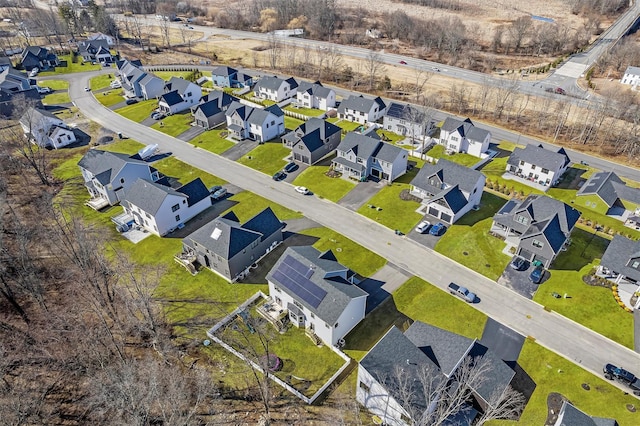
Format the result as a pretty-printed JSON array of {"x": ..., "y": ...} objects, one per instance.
[
  {"x": 296, "y": 265},
  {"x": 289, "y": 276}
]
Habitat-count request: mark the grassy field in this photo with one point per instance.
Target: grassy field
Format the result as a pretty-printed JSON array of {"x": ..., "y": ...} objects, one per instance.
[
  {"x": 320, "y": 184},
  {"x": 212, "y": 141},
  {"x": 110, "y": 97},
  {"x": 470, "y": 235},
  {"x": 467, "y": 160},
  {"x": 59, "y": 97},
  {"x": 348, "y": 253},
  {"x": 267, "y": 158},
  {"x": 395, "y": 213},
  {"x": 250, "y": 204},
  {"x": 71, "y": 67},
  {"x": 166, "y": 75},
  {"x": 175, "y": 124},
  {"x": 138, "y": 112},
  {"x": 100, "y": 82}
]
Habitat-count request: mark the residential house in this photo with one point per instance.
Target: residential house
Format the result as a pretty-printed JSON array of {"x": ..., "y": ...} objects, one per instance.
[
  {"x": 224, "y": 76},
  {"x": 45, "y": 129},
  {"x": 179, "y": 95},
  {"x": 621, "y": 261},
  {"x": 10, "y": 101},
  {"x": 229, "y": 248},
  {"x": 570, "y": 415},
  {"x": 275, "y": 89},
  {"x": 95, "y": 51},
  {"x": 631, "y": 77},
  {"x": 318, "y": 293},
  {"x": 38, "y": 57},
  {"x": 538, "y": 164},
  {"x": 100, "y": 36},
  {"x": 539, "y": 227},
  {"x": 397, "y": 374},
  {"x": 13, "y": 80},
  {"x": 5, "y": 62},
  {"x": 211, "y": 113},
  {"x": 136, "y": 82},
  {"x": 362, "y": 110},
  {"x": 407, "y": 120},
  {"x": 161, "y": 209},
  {"x": 260, "y": 124},
  {"x": 312, "y": 140},
  {"x": 315, "y": 95},
  {"x": 108, "y": 175},
  {"x": 463, "y": 136},
  {"x": 607, "y": 194},
  {"x": 360, "y": 157},
  {"x": 448, "y": 190}
]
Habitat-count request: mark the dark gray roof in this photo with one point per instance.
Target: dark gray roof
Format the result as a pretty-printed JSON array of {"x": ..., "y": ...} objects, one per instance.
[
  {"x": 466, "y": 128},
  {"x": 171, "y": 98},
  {"x": 215, "y": 102},
  {"x": 224, "y": 71},
  {"x": 632, "y": 70},
  {"x": 499, "y": 376},
  {"x": 328, "y": 275},
  {"x": 313, "y": 133},
  {"x": 177, "y": 83},
  {"x": 572, "y": 416},
  {"x": 93, "y": 46},
  {"x": 537, "y": 208},
  {"x": 448, "y": 172},
  {"x": 351, "y": 164},
  {"x": 618, "y": 254},
  {"x": 34, "y": 116},
  {"x": 539, "y": 156},
  {"x": 405, "y": 112},
  {"x": 387, "y": 152},
  {"x": 274, "y": 83},
  {"x": 266, "y": 222},
  {"x": 360, "y": 103},
  {"x": 314, "y": 89},
  {"x": 149, "y": 196},
  {"x": 258, "y": 116},
  {"x": 148, "y": 77},
  {"x": 609, "y": 187},
  {"x": 454, "y": 198},
  {"x": 362, "y": 146},
  {"x": 105, "y": 165},
  {"x": 195, "y": 190},
  {"x": 275, "y": 110}
]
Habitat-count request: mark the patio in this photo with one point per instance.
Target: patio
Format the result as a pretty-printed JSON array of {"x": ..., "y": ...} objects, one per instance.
[{"x": 525, "y": 181}]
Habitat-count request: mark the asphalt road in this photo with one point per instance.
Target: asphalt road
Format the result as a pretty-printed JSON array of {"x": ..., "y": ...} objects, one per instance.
[{"x": 559, "y": 334}]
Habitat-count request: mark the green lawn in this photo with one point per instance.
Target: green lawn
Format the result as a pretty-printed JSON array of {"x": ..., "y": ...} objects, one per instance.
[
  {"x": 494, "y": 170},
  {"x": 467, "y": 160},
  {"x": 100, "y": 82},
  {"x": 55, "y": 84},
  {"x": 166, "y": 75},
  {"x": 395, "y": 213},
  {"x": 349, "y": 253},
  {"x": 267, "y": 158},
  {"x": 315, "y": 178},
  {"x": 309, "y": 112},
  {"x": 345, "y": 125},
  {"x": 470, "y": 235},
  {"x": 184, "y": 172},
  {"x": 59, "y": 97},
  {"x": 126, "y": 146},
  {"x": 138, "y": 112},
  {"x": 250, "y": 204},
  {"x": 175, "y": 124},
  {"x": 292, "y": 123},
  {"x": 110, "y": 97},
  {"x": 71, "y": 67},
  {"x": 390, "y": 137},
  {"x": 212, "y": 141}
]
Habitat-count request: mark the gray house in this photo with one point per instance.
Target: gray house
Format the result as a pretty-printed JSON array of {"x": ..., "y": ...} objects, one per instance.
[
  {"x": 224, "y": 76},
  {"x": 95, "y": 50},
  {"x": 13, "y": 80},
  {"x": 107, "y": 175},
  {"x": 621, "y": 261},
  {"x": 539, "y": 227},
  {"x": 360, "y": 157},
  {"x": 40, "y": 57},
  {"x": 312, "y": 140},
  {"x": 605, "y": 192},
  {"x": 229, "y": 248},
  {"x": 407, "y": 120},
  {"x": 211, "y": 113},
  {"x": 136, "y": 82}
]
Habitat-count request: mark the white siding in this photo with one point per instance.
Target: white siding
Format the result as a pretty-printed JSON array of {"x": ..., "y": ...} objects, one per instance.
[
  {"x": 377, "y": 400},
  {"x": 350, "y": 317}
]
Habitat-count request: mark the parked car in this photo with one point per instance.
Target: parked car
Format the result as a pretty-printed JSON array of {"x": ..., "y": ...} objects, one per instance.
[
  {"x": 518, "y": 263},
  {"x": 115, "y": 84},
  {"x": 219, "y": 193},
  {"x": 438, "y": 229},
  {"x": 403, "y": 62},
  {"x": 157, "y": 115},
  {"x": 213, "y": 189},
  {"x": 291, "y": 167},
  {"x": 302, "y": 190},
  {"x": 131, "y": 101},
  {"x": 87, "y": 89},
  {"x": 462, "y": 292},
  {"x": 43, "y": 89},
  {"x": 422, "y": 227},
  {"x": 436, "y": 69},
  {"x": 34, "y": 72},
  {"x": 611, "y": 372},
  {"x": 537, "y": 274},
  {"x": 279, "y": 176}
]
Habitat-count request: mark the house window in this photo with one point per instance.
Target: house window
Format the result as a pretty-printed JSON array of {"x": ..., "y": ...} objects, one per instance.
[
  {"x": 521, "y": 163},
  {"x": 537, "y": 244},
  {"x": 326, "y": 325},
  {"x": 455, "y": 138},
  {"x": 295, "y": 302},
  {"x": 545, "y": 171},
  {"x": 635, "y": 264},
  {"x": 148, "y": 215},
  {"x": 277, "y": 289},
  {"x": 177, "y": 218},
  {"x": 312, "y": 316},
  {"x": 184, "y": 201},
  {"x": 522, "y": 219},
  {"x": 335, "y": 326},
  {"x": 273, "y": 122},
  {"x": 175, "y": 207},
  {"x": 364, "y": 386},
  {"x": 533, "y": 167},
  {"x": 121, "y": 180}
]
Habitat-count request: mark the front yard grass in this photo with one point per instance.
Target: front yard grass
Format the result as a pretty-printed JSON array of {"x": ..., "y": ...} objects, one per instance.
[
  {"x": 466, "y": 160},
  {"x": 250, "y": 204},
  {"x": 267, "y": 158},
  {"x": 184, "y": 172},
  {"x": 125, "y": 146},
  {"x": 212, "y": 141},
  {"x": 315, "y": 178},
  {"x": 71, "y": 66},
  {"x": 110, "y": 97},
  {"x": 59, "y": 97},
  {"x": 100, "y": 82},
  {"x": 309, "y": 112},
  {"x": 395, "y": 213},
  {"x": 138, "y": 112},
  {"x": 54, "y": 84},
  {"x": 174, "y": 124},
  {"x": 468, "y": 241},
  {"x": 350, "y": 254}
]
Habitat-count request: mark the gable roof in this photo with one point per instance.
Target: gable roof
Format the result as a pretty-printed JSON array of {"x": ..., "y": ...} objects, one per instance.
[
  {"x": 617, "y": 255},
  {"x": 540, "y": 157},
  {"x": 323, "y": 275},
  {"x": 177, "y": 83},
  {"x": 632, "y": 70},
  {"x": 448, "y": 172},
  {"x": 274, "y": 83},
  {"x": 93, "y": 46},
  {"x": 224, "y": 71},
  {"x": 195, "y": 190},
  {"x": 313, "y": 133},
  {"x": 537, "y": 208},
  {"x": 39, "y": 52},
  {"x": 37, "y": 117},
  {"x": 362, "y": 146},
  {"x": 105, "y": 165},
  {"x": 360, "y": 103},
  {"x": 314, "y": 89},
  {"x": 466, "y": 128},
  {"x": 454, "y": 197},
  {"x": 570, "y": 415},
  {"x": 171, "y": 98},
  {"x": 405, "y": 112},
  {"x": 609, "y": 187},
  {"x": 149, "y": 196}
]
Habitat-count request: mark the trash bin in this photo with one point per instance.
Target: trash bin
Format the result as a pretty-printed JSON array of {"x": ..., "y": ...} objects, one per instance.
[{"x": 119, "y": 135}]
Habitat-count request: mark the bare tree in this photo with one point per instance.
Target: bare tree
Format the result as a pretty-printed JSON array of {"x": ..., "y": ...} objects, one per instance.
[
  {"x": 519, "y": 30},
  {"x": 503, "y": 95},
  {"x": 275, "y": 50},
  {"x": 421, "y": 77},
  {"x": 334, "y": 62},
  {"x": 374, "y": 66}
]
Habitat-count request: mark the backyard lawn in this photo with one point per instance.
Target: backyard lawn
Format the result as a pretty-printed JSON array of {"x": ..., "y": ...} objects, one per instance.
[
  {"x": 348, "y": 253},
  {"x": 309, "y": 112},
  {"x": 494, "y": 170},
  {"x": 292, "y": 123},
  {"x": 100, "y": 82},
  {"x": 390, "y": 137},
  {"x": 174, "y": 124},
  {"x": 468, "y": 241},
  {"x": 388, "y": 209},
  {"x": 467, "y": 160},
  {"x": 345, "y": 125},
  {"x": 110, "y": 97},
  {"x": 315, "y": 178},
  {"x": 267, "y": 158},
  {"x": 212, "y": 141},
  {"x": 250, "y": 204},
  {"x": 138, "y": 112},
  {"x": 166, "y": 75},
  {"x": 71, "y": 67}
]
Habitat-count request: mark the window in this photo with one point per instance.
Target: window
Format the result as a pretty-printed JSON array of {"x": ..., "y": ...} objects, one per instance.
[
  {"x": 184, "y": 201},
  {"x": 336, "y": 326},
  {"x": 635, "y": 264},
  {"x": 545, "y": 171},
  {"x": 364, "y": 386},
  {"x": 295, "y": 302},
  {"x": 521, "y": 163},
  {"x": 277, "y": 289},
  {"x": 533, "y": 167},
  {"x": 121, "y": 180},
  {"x": 522, "y": 219},
  {"x": 312, "y": 316},
  {"x": 537, "y": 244},
  {"x": 326, "y": 325},
  {"x": 148, "y": 215},
  {"x": 273, "y": 122},
  {"x": 177, "y": 218},
  {"x": 455, "y": 138},
  {"x": 175, "y": 207}
]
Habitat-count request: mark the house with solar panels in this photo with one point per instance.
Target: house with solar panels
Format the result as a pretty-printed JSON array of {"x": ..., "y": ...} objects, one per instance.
[
  {"x": 229, "y": 248},
  {"x": 538, "y": 164},
  {"x": 463, "y": 136},
  {"x": 312, "y": 140},
  {"x": 317, "y": 292},
  {"x": 407, "y": 120}
]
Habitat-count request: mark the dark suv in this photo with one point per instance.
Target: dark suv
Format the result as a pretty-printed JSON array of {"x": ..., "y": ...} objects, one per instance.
[
  {"x": 611, "y": 372},
  {"x": 291, "y": 167}
]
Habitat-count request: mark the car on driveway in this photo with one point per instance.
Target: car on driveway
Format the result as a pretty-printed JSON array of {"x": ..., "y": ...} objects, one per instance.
[
  {"x": 422, "y": 227},
  {"x": 518, "y": 263},
  {"x": 157, "y": 115},
  {"x": 302, "y": 190},
  {"x": 43, "y": 89},
  {"x": 279, "y": 176},
  {"x": 87, "y": 89},
  {"x": 291, "y": 167},
  {"x": 537, "y": 274},
  {"x": 131, "y": 101},
  {"x": 438, "y": 229},
  {"x": 219, "y": 193},
  {"x": 34, "y": 72}
]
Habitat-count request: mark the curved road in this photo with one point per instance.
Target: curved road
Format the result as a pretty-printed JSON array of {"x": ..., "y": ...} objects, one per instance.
[{"x": 567, "y": 338}]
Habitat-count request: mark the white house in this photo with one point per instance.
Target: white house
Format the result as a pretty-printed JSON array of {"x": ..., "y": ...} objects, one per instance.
[
  {"x": 107, "y": 175},
  {"x": 180, "y": 95},
  {"x": 318, "y": 293},
  {"x": 361, "y": 110},
  {"x": 464, "y": 136},
  {"x": 275, "y": 89},
  {"x": 161, "y": 209},
  {"x": 448, "y": 190},
  {"x": 360, "y": 157},
  {"x": 315, "y": 95},
  {"x": 95, "y": 50},
  {"x": 261, "y": 124},
  {"x": 100, "y": 36},
  {"x": 407, "y": 120},
  {"x": 45, "y": 129},
  {"x": 631, "y": 76},
  {"x": 538, "y": 164}
]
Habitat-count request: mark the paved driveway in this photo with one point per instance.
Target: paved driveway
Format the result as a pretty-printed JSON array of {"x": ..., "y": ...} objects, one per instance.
[
  {"x": 518, "y": 281},
  {"x": 426, "y": 239},
  {"x": 294, "y": 174},
  {"x": 194, "y": 131},
  {"x": 381, "y": 284},
  {"x": 359, "y": 195},
  {"x": 239, "y": 149}
]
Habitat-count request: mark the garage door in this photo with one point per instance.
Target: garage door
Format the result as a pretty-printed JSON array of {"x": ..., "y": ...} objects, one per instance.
[
  {"x": 526, "y": 254},
  {"x": 433, "y": 211},
  {"x": 446, "y": 217},
  {"x": 541, "y": 259}
]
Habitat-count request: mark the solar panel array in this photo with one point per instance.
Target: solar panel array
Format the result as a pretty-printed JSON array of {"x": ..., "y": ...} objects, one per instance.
[
  {"x": 396, "y": 110},
  {"x": 293, "y": 275}
]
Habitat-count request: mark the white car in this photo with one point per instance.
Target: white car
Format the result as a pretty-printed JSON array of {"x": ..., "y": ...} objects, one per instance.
[
  {"x": 115, "y": 84},
  {"x": 43, "y": 89},
  {"x": 302, "y": 190},
  {"x": 86, "y": 89},
  {"x": 423, "y": 226},
  {"x": 34, "y": 72}
]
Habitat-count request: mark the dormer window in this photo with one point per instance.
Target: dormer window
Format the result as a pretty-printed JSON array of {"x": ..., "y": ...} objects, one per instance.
[
  {"x": 522, "y": 219},
  {"x": 634, "y": 263},
  {"x": 537, "y": 244}
]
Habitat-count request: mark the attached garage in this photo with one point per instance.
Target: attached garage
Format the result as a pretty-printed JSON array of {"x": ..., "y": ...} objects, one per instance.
[
  {"x": 525, "y": 254},
  {"x": 434, "y": 212},
  {"x": 446, "y": 217}
]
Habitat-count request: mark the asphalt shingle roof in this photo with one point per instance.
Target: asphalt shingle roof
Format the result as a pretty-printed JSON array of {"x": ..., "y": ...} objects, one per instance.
[
  {"x": 572, "y": 416},
  {"x": 224, "y": 71},
  {"x": 466, "y": 128},
  {"x": 105, "y": 165},
  {"x": 179, "y": 84},
  {"x": 362, "y": 146},
  {"x": 632, "y": 70},
  {"x": 195, "y": 190},
  {"x": 360, "y": 103},
  {"x": 537, "y": 208},
  {"x": 539, "y": 156},
  {"x": 618, "y": 254},
  {"x": 149, "y": 196},
  {"x": 171, "y": 98},
  {"x": 314, "y": 89},
  {"x": 448, "y": 172},
  {"x": 274, "y": 83},
  {"x": 609, "y": 187}
]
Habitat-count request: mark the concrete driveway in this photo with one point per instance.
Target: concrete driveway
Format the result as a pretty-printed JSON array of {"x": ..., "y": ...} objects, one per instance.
[
  {"x": 359, "y": 195},
  {"x": 194, "y": 131},
  {"x": 239, "y": 149},
  {"x": 294, "y": 174},
  {"x": 426, "y": 239},
  {"x": 381, "y": 284},
  {"x": 518, "y": 281}
]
